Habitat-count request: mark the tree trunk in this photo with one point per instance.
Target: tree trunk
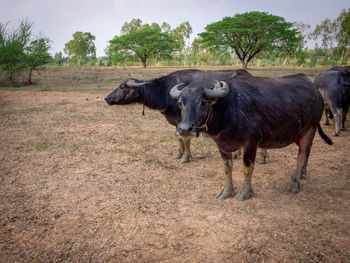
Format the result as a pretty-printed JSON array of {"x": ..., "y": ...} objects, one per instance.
[
  {"x": 30, "y": 76},
  {"x": 10, "y": 79},
  {"x": 144, "y": 64}
]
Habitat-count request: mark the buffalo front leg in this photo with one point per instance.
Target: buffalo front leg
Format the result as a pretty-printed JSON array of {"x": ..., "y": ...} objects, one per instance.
[
  {"x": 186, "y": 157},
  {"x": 181, "y": 148},
  {"x": 228, "y": 189},
  {"x": 304, "y": 144},
  {"x": 263, "y": 156},
  {"x": 248, "y": 167},
  {"x": 184, "y": 154}
]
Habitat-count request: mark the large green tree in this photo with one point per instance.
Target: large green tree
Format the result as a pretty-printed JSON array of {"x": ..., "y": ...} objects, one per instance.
[
  {"x": 37, "y": 55},
  {"x": 251, "y": 33},
  {"x": 143, "y": 43},
  {"x": 81, "y": 47}
]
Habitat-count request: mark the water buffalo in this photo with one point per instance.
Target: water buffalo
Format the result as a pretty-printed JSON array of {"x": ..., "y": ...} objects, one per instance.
[
  {"x": 247, "y": 112},
  {"x": 155, "y": 95},
  {"x": 334, "y": 85}
]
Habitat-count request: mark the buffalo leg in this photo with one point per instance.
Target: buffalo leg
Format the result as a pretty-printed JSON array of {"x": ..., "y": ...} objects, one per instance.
[
  {"x": 345, "y": 112},
  {"x": 263, "y": 156},
  {"x": 304, "y": 144},
  {"x": 181, "y": 148},
  {"x": 336, "y": 113},
  {"x": 326, "y": 113},
  {"x": 228, "y": 189},
  {"x": 187, "y": 150},
  {"x": 248, "y": 167}
]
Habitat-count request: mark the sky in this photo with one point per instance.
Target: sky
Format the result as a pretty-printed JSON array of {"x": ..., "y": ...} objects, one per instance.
[{"x": 60, "y": 19}]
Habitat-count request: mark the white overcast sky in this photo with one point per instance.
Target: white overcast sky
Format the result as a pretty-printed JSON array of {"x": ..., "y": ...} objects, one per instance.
[{"x": 59, "y": 19}]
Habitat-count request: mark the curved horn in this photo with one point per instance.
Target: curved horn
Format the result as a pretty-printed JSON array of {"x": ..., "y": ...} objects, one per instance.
[
  {"x": 175, "y": 92},
  {"x": 132, "y": 84},
  {"x": 218, "y": 91}
]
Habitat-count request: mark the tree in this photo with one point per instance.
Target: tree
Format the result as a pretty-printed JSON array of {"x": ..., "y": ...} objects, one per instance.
[
  {"x": 12, "y": 48},
  {"x": 181, "y": 33},
  {"x": 143, "y": 43},
  {"x": 251, "y": 33},
  {"x": 80, "y": 47},
  {"x": 58, "y": 58},
  {"x": 37, "y": 55},
  {"x": 335, "y": 36}
]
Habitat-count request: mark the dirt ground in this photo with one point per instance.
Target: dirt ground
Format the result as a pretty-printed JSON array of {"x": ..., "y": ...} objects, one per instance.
[{"x": 84, "y": 182}]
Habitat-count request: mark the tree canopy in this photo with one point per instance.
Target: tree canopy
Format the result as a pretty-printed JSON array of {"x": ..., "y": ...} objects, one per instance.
[
  {"x": 143, "y": 43},
  {"x": 12, "y": 48},
  {"x": 80, "y": 47},
  {"x": 251, "y": 33},
  {"x": 37, "y": 55}
]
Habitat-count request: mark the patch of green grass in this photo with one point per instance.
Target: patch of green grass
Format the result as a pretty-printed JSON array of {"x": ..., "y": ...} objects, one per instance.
[
  {"x": 42, "y": 88},
  {"x": 43, "y": 146}
]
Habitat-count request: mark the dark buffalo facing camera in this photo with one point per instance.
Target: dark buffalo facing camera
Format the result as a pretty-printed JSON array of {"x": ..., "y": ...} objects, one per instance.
[
  {"x": 334, "y": 85},
  {"x": 155, "y": 95},
  {"x": 247, "y": 112}
]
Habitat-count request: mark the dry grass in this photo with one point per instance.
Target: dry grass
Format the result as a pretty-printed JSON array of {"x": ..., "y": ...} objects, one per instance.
[{"x": 84, "y": 182}]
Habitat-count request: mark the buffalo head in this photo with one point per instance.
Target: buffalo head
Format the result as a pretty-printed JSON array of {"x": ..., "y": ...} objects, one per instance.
[
  {"x": 196, "y": 103},
  {"x": 127, "y": 92}
]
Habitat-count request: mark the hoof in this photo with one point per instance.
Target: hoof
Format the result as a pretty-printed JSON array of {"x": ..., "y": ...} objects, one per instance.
[
  {"x": 335, "y": 134},
  {"x": 244, "y": 194},
  {"x": 185, "y": 159},
  {"x": 293, "y": 187},
  {"x": 223, "y": 194},
  {"x": 177, "y": 156},
  {"x": 343, "y": 129}
]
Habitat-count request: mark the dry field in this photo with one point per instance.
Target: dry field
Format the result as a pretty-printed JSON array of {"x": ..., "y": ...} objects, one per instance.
[{"x": 84, "y": 182}]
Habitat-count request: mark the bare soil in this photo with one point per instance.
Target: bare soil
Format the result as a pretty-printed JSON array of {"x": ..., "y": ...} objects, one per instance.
[{"x": 84, "y": 182}]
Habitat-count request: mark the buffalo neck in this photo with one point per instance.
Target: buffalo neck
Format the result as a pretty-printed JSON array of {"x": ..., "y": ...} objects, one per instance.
[{"x": 153, "y": 95}]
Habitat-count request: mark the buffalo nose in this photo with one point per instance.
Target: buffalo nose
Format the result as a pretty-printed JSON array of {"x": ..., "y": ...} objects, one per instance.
[
  {"x": 185, "y": 128},
  {"x": 107, "y": 100}
]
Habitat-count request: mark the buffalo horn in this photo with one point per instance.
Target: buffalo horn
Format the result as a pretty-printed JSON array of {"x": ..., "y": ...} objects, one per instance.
[
  {"x": 175, "y": 92},
  {"x": 133, "y": 84},
  {"x": 218, "y": 91}
]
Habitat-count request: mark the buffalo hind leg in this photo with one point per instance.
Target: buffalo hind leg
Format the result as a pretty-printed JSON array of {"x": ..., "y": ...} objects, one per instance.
[
  {"x": 336, "y": 112},
  {"x": 304, "y": 144},
  {"x": 248, "y": 167},
  {"x": 228, "y": 189},
  {"x": 344, "y": 113}
]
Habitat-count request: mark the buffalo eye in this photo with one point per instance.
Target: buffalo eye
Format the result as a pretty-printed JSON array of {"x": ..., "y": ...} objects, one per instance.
[{"x": 180, "y": 104}]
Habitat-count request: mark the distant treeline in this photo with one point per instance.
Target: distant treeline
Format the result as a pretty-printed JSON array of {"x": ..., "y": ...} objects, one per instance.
[{"x": 252, "y": 38}]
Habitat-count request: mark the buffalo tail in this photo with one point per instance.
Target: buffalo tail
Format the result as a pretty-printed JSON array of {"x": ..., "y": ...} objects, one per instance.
[{"x": 323, "y": 135}]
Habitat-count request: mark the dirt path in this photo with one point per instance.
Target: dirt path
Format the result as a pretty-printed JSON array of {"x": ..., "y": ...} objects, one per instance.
[{"x": 81, "y": 181}]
